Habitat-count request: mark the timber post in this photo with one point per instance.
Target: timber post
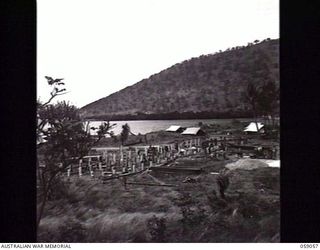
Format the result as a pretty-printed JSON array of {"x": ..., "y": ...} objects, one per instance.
[{"x": 80, "y": 167}]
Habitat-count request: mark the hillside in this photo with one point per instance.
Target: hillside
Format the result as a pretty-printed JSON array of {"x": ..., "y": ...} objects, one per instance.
[{"x": 209, "y": 86}]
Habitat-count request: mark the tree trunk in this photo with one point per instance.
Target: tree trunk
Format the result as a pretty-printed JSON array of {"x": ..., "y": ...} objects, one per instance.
[
  {"x": 145, "y": 137},
  {"x": 43, "y": 203},
  {"x": 221, "y": 191},
  {"x": 272, "y": 118},
  {"x": 255, "y": 117},
  {"x": 44, "y": 198}
]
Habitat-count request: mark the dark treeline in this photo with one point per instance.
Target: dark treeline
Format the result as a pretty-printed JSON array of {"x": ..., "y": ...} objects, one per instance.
[{"x": 173, "y": 116}]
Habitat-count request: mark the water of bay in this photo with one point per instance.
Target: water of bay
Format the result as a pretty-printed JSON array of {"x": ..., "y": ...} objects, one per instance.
[{"x": 147, "y": 126}]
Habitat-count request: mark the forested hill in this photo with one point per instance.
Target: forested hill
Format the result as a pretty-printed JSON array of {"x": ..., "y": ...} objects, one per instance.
[{"x": 209, "y": 86}]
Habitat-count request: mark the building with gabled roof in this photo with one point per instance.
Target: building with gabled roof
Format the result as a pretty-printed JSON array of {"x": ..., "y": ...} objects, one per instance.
[
  {"x": 193, "y": 131},
  {"x": 175, "y": 128}
]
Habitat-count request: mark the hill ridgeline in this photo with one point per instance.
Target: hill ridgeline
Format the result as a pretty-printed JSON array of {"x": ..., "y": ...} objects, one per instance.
[{"x": 209, "y": 86}]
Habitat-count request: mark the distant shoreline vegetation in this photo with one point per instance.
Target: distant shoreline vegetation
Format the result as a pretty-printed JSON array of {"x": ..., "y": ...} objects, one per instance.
[{"x": 172, "y": 116}]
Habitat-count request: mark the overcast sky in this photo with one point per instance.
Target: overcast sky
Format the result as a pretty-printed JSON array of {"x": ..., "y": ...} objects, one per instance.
[{"x": 102, "y": 46}]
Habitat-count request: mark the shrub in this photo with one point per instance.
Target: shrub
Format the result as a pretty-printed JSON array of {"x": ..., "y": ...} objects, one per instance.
[
  {"x": 215, "y": 203},
  {"x": 235, "y": 122},
  {"x": 72, "y": 231},
  {"x": 62, "y": 230},
  {"x": 157, "y": 228},
  {"x": 223, "y": 183},
  {"x": 193, "y": 214},
  {"x": 58, "y": 189}
]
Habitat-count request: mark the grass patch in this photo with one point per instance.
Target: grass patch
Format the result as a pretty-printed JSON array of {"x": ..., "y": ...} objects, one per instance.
[{"x": 90, "y": 211}]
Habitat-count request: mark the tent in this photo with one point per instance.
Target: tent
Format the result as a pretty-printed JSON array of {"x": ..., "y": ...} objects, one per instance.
[{"x": 253, "y": 128}]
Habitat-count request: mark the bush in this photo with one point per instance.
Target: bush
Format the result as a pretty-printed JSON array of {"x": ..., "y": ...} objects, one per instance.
[
  {"x": 215, "y": 203},
  {"x": 223, "y": 183},
  {"x": 69, "y": 230},
  {"x": 58, "y": 189},
  {"x": 72, "y": 231},
  {"x": 157, "y": 228},
  {"x": 235, "y": 122},
  {"x": 193, "y": 214}
]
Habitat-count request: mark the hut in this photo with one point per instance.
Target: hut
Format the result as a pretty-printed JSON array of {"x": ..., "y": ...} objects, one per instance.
[
  {"x": 175, "y": 128},
  {"x": 193, "y": 131}
]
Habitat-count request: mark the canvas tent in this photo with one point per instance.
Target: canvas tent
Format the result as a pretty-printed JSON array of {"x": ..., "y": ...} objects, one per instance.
[
  {"x": 193, "y": 131},
  {"x": 174, "y": 128},
  {"x": 253, "y": 128}
]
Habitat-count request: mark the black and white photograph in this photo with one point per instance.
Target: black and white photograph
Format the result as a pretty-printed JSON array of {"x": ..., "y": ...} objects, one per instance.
[{"x": 158, "y": 121}]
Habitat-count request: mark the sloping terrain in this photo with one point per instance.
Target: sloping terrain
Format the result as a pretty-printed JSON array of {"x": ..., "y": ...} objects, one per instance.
[
  {"x": 211, "y": 86},
  {"x": 85, "y": 210}
]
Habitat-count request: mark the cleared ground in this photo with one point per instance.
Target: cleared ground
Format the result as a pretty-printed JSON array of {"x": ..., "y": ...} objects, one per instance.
[{"x": 85, "y": 210}]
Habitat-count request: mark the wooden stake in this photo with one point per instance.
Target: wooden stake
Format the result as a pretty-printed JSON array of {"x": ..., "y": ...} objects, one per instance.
[
  {"x": 121, "y": 154},
  {"x": 80, "y": 167},
  {"x": 114, "y": 158}
]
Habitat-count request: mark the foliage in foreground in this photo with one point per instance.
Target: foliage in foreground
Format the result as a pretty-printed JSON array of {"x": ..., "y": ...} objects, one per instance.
[
  {"x": 62, "y": 139},
  {"x": 194, "y": 212}
]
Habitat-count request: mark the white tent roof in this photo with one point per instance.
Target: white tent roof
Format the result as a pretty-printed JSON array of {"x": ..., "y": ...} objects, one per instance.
[
  {"x": 191, "y": 131},
  {"x": 253, "y": 128},
  {"x": 173, "y": 128}
]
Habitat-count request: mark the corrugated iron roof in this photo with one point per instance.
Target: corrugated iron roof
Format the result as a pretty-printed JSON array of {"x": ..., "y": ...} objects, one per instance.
[
  {"x": 173, "y": 128},
  {"x": 191, "y": 131}
]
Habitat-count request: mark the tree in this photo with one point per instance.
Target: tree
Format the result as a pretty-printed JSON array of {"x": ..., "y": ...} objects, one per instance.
[
  {"x": 258, "y": 89},
  {"x": 124, "y": 133},
  {"x": 251, "y": 96},
  {"x": 268, "y": 99},
  {"x": 63, "y": 139},
  {"x": 57, "y": 90}
]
